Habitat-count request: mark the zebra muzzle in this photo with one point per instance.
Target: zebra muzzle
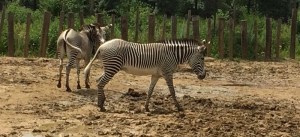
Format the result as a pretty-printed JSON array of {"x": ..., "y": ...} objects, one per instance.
[{"x": 201, "y": 75}]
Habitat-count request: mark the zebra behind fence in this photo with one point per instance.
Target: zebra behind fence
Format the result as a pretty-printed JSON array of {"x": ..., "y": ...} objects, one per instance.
[
  {"x": 77, "y": 46},
  {"x": 155, "y": 59}
]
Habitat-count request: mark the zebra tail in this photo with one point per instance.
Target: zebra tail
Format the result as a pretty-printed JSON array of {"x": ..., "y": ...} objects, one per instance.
[
  {"x": 88, "y": 66},
  {"x": 68, "y": 43}
]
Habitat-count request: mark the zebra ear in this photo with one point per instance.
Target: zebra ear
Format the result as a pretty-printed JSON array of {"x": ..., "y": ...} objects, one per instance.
[
  {"x": 106, "y": 27},
  {"x": 202, "y": 48}
]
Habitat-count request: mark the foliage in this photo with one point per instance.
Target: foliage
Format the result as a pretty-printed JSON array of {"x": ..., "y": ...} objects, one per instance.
[{"x": 250, "y": 10}]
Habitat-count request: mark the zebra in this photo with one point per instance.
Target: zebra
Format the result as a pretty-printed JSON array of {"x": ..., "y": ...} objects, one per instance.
[
  {"x": 77, "y": 46},
  {"x": 156, "y": 59}
]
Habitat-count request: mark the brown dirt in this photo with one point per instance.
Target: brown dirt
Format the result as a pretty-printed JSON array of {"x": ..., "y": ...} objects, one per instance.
[{"x": 236, "y": 99}]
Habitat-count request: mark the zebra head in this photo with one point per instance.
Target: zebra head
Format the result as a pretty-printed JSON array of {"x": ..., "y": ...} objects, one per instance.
[
  {"x": 96, "y": 34},
  {"x": 102, "y": 32},
  {"x": 196, "y": 61}
]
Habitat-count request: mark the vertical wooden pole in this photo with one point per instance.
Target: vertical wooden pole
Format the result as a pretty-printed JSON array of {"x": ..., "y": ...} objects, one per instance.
[
  {"x": 293, "y": 33},
  {"x": 174, "y": 27},
  {"x": 208, "y": 37},
  {"x": 81, "y": 18},
  {"x": 137, "y": 25},
  {"x": 92, "y": 5},
  {"x": 45, "y": 30},
  {"x": 196, "y": 33},
  {"x": 61, "y": 22},
  {"x": 151, "y": 28},
  {"x": 124, "y": 28},
  {"x": 11, "y": 41},
  {"x": 163, "y": 30},
  {"x": 244, "y": 37},
  {"x": 100, "y": 19},
  {"x": 27, "y": 35},
  {"x": 71, "y": 20},
  {"x": 230, "y": 38},
  {"x": 255, "y": 32},
  {"x": 221, "y": 38},
  {"x": 61, "y": 26},
  {"x": 2, "y": 21},
  {"x": 112, "y": 29},
  {"x": 268, "y": 39},
  {"x": 188, "y": 24},
  {"x": 278, "y": 39}
]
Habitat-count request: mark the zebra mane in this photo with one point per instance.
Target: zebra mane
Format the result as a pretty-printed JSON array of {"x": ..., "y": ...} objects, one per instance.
[
  {"x": 184, "y": 40},
  {"x": 86, "y": 27}
]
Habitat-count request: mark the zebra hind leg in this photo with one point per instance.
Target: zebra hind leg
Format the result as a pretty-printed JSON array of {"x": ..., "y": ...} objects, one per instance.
[
  {"x": 78, "y": 73},
  {"x": 154, "y": 80},
  {"x": 68, "y": 69},
  {"x": 60, "y": 70},
  {"x": 169, "y": 81},
  {"x": 103, "y": 80},
  {"x": 87, "y": 80}
]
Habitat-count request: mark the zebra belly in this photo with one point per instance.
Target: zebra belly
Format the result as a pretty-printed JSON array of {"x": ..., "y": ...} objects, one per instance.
[{"x": 141, "y": 71}]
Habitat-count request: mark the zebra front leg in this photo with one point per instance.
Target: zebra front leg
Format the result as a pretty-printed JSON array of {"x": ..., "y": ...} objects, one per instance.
[
  {"x": 169, "y": 80},
  {"x": 60, "y": 70},
  {"x": 78, "y": 73},
  {"x": 68, "y": 69},
  {"x": 154, "y": 80}
]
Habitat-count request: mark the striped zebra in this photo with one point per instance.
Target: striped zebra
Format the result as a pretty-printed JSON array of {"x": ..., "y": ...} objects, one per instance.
[
  {"x": 155, "y": 59},
  {"x": 77, "y": 46}
]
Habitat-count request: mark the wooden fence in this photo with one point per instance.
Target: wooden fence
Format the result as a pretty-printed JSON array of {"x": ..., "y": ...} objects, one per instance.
[{"x": 191, "y": 20}]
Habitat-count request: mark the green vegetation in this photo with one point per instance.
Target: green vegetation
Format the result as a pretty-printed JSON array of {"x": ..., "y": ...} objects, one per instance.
[{"x": 249, "y": 10}]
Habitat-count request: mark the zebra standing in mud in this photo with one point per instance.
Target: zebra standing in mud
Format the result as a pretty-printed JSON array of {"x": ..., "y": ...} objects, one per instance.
[
  {"x": 77, "y": 46},
  {"x": 156, "y": 59}
]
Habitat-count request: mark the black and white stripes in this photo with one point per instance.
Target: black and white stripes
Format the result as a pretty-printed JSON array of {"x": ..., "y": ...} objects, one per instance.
[{"x": 158, "y": 59}]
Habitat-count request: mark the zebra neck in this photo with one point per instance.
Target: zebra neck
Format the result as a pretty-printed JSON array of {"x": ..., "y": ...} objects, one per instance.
[{"x": 182, "y": 53}]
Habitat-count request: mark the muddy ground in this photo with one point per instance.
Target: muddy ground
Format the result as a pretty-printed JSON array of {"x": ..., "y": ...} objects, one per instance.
[{"x": 240, "y": 98}]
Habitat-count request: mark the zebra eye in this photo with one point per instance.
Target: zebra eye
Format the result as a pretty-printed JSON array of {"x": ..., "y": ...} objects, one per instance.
[{"x": 202, "y": 58}]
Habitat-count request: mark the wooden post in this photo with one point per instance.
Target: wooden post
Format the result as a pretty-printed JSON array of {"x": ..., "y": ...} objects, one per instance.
[
  {"x": 221, "y": 38},
  {"x": 151, "y": 28},
  {"x": 71, "y": 20},
  {"x": 81, "y": 18},
  {"x": 92, "y": 5},
  {"x": 278, "y": 39},
  {"x": 61, "y": 26},
  {"x": 174, "y": 27},
  {"x": 112, "y": 29},
  {"x": 61, "y": 22},
  {"x": 11, "y": 41},
  {"x": 124, "y": 28},
  {"x": 163, "y": 30},
  {"x": 208, "y": 36},
  {"x": 2, "y": 21},
  {"x": 196, "y": 33},
  {"x": 44, "y": 34},
  {"x": 188, "y": 23},
  {"x": 268, "y": 39},
  {"x": 27, "y": 35},
  {"x": 137, "y": 25},
  {"x": 255, "y": 32},
  {"x": 230, "y": 38},
  {"x": 100, "y": 19},
  {"x": 244, "y": 37},
  {"x": 293, "y": 33}
]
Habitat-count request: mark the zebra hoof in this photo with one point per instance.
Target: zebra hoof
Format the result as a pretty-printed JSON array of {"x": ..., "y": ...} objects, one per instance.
[
  {"x": 78, "y": 87},
  {"x": 68, "y": 90},
  {"x": 59, "y": 85},
  {"x": 147, "y": 109},
  {"x": 102, "y": 109},
  {"x": 179, "y": 109},
  {"x": 87, "y": 86}
]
